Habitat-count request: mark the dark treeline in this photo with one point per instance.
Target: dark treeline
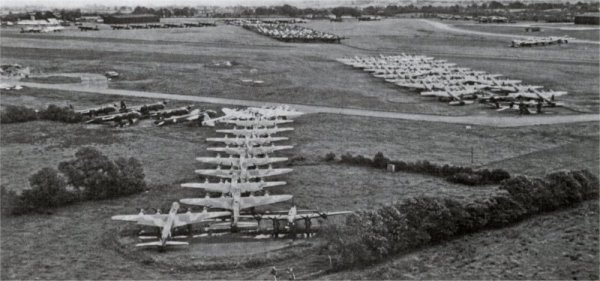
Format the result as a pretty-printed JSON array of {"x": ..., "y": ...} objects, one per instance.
[
  {"x": 454, "y": 174},
  {"x": 514, "y": 9},
  {"x": 373, "y": 235}
]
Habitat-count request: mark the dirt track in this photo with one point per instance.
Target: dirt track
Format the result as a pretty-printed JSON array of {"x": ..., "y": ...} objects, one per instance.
[
  {"x": 504, "y": 121},
  {"x": 450, "y": 28}
]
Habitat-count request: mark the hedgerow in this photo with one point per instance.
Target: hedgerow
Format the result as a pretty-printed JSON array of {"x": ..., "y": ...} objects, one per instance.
[
  {"x": 454, "y": 174},
  {"x": 18, "y": 114},
  {"x": 370, "y": 236}
]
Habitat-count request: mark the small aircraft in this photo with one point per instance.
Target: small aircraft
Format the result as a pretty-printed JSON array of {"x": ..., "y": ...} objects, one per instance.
[
  {"x": 248, "y": 141},
  {"x": 236, "y": 203},
  {"x": 241, "y": 161},
  {"x": 243, "y": 173},
  {"x": 251, "y": 151},
  {"x": 194, "y": 115},
  {"x": 167, "y": 222},
  {"x": 292, "y": 216},
  {"x": 118, "y": 118}
]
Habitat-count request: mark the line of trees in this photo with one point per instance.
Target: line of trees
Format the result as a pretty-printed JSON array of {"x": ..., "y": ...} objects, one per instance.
[
  {"x": 370, "y": 236},
  {"x": 473, "y": 9},
  {"x": 90, "y": 176},
  {"x": 454, "y": 174}
]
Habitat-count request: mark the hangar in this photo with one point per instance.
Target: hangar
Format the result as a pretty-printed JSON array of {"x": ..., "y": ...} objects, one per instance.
[
  {"x": 127, "y": 19},
  {"x": 588, "y": 18}
]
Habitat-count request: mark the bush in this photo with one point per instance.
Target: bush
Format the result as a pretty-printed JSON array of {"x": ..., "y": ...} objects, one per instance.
[
  {"x": 100, "y": 178},
  {"x": 61, "y": 114},
  {"x": 329, "y": 157},
  {"x": 370, "y": 236},
  {"x": 16, "y": 114},
  {"x": 464, "y": 178},
  {"x": 48, "y": 190},
  {"x": 10, "y": 202}
]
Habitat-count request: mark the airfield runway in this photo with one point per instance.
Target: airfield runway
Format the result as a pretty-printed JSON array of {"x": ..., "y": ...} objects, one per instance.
[
  {"x": 493, "y": 121},
  {"x": 454, "y": 29}
]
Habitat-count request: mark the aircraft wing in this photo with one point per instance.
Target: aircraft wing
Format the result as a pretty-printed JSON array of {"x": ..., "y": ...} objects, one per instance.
[
  {"x": 255, "y": 201},
  {"x": 191, "y": 218},
  {"x": 220, "y": 202},
  {"x": 151, "y": 220},
  {"x": 267, "y": 216},
  {"x": 322, "y": 215}
]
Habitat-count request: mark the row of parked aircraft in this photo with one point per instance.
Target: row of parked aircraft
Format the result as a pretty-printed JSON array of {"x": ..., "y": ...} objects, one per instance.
[
  {"x": 292, "y": 33},
  {"x": 42, "y": 29},
  {"x": 242, "y": 185},
  {"x": 121, "y": 115},
  {"x": 161, "y": 25},
  {"x": 539, "y": 41},
  {"x": 455, "y": 85}
]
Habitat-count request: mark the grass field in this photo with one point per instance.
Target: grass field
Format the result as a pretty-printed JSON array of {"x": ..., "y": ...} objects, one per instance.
[
  {"x": 80, "y": 239},
  {"x": 191, "y": 61}
]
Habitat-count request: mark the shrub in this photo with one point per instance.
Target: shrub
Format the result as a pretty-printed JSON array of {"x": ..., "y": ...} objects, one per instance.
[
  {"x": 61, "y": 114},
  {"x": 10, "y": 202},
  {"x": 99, "y": 178},
  {"x": 16, "y": 114},
  {"x": 48, "y": 190},
  {"x": 329, "y": 157},
  {"x": 465, "y": 178}
]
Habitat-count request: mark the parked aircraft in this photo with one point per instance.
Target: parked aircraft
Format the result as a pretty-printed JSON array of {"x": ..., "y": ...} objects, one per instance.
[
  {"x": 118, "y": 118},
  {"x": 292, "y": 216},
  {"x": 243, "y": 174},
  {"x": 143, "y": 108},
  {"x": 160, "y": 114},
  {"x": 236, "y": 203},
  {"x": 194, "y": 115},
  {"x": 225, "y": 187},
  {"x": 284, "y": 111},
  {"x": 241, "y": 161},
  {"x": 250, "y": 151},
  {"x": 168, "y": 222},
  {"x": 88, "y": 28},
  {"x": 260, "y": 122},
  {"x": 248, "y": 141},
  {"x": 255, "y": 131},
  {"x": 102, "y": 109}
]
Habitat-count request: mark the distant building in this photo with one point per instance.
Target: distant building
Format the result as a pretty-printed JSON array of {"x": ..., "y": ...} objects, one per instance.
[
  {"x": 130, "y": 18},
  {"x": 589, "y": 18}
]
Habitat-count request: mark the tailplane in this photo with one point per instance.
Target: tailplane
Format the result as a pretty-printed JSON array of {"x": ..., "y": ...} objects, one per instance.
[{"x": 159, "y": 243}]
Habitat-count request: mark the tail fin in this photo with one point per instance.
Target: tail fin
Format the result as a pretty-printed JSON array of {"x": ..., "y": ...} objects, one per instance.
[{"x": 206, "y": 121}]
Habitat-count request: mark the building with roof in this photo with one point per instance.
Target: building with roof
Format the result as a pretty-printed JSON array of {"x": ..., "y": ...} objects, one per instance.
[
  {"x": 589, "y": 18},
  {"x": 130, "y": 18}
]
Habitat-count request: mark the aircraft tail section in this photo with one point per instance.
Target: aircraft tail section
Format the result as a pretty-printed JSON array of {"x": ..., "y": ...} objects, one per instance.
[{"x": 159, "y": 243}]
